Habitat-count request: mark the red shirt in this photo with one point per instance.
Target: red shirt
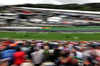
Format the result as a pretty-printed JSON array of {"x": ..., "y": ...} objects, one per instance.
[
  {"x": 7, "y": 43},
  {"x": 19, "y": 57}
]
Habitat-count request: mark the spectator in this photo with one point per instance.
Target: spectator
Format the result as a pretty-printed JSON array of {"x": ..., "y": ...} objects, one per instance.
[
  {"x": 64, "y": 61},
  {"x": 8, "y": 53},
  {"x": 76, "y": 53},
  {"x": 19, "y": 57},
  {"x": 4, "y": 62},
  {"x": 46, "y": 53},
  {"x": 37, "y": 57},
  {"x": 97, "y": 55},
  {"x": 56, "y": 52},
  {"x": 25, "y": 48},
  {"x": 27, "y": 63}
]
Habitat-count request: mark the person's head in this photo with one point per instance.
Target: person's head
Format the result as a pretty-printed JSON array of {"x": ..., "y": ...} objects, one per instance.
[
  {"x": 33, "y": 41},
  {"x": 91, "y": 46},
  {"x": 33, "y": 44},
  {"x": 9, "y": 48},
  {"x": 60, "y": 44},
  {"x": 66, "y": 42},
  {"x": 55, "y": 47},
  {"x": 36, "y": 50},
  {"x": 72, "y": 50},
  {"x": 76, "y": 49},
  {"x": 63, "y": 53},
  {"x": 18, "y": 49},
  {"x": 82, "y": 49},
  {"x": 46, "y": 47},
  {"x": 24, "y": 45},
  {"x": 63, "y": 59},
  {"x": 1, "y": 49},
  {"x": 98, "y": 47},
  {"x": 66, "y": 45}
]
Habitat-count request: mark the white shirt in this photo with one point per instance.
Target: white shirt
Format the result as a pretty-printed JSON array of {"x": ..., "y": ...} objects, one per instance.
[
  {"x": 27, "y": 64},
  {"x": 37, "y": 57},
  {"x": 79, "y": 54}
]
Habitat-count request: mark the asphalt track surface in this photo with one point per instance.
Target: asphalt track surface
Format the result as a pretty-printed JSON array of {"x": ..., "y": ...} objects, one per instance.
[{"x": 60, "y": 31}]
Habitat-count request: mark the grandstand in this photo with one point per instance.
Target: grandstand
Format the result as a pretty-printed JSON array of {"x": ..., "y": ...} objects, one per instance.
[{"x": 69, "y": 12}]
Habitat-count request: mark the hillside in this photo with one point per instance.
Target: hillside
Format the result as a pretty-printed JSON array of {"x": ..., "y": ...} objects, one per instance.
[{"x": 83, "y": 7}]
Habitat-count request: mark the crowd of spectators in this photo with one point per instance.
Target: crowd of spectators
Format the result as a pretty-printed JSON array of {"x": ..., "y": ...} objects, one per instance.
[{"x": 15, "y": 52}]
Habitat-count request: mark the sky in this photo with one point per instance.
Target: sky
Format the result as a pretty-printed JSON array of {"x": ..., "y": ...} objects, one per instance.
[{"x": 57, "y": 2}]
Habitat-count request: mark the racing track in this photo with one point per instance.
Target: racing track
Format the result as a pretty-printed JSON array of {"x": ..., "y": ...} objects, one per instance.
[{"x": 38, "y": 30}]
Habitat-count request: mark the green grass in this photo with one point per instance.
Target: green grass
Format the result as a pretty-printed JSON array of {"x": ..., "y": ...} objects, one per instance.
[{"x": 50, "y": 36}]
